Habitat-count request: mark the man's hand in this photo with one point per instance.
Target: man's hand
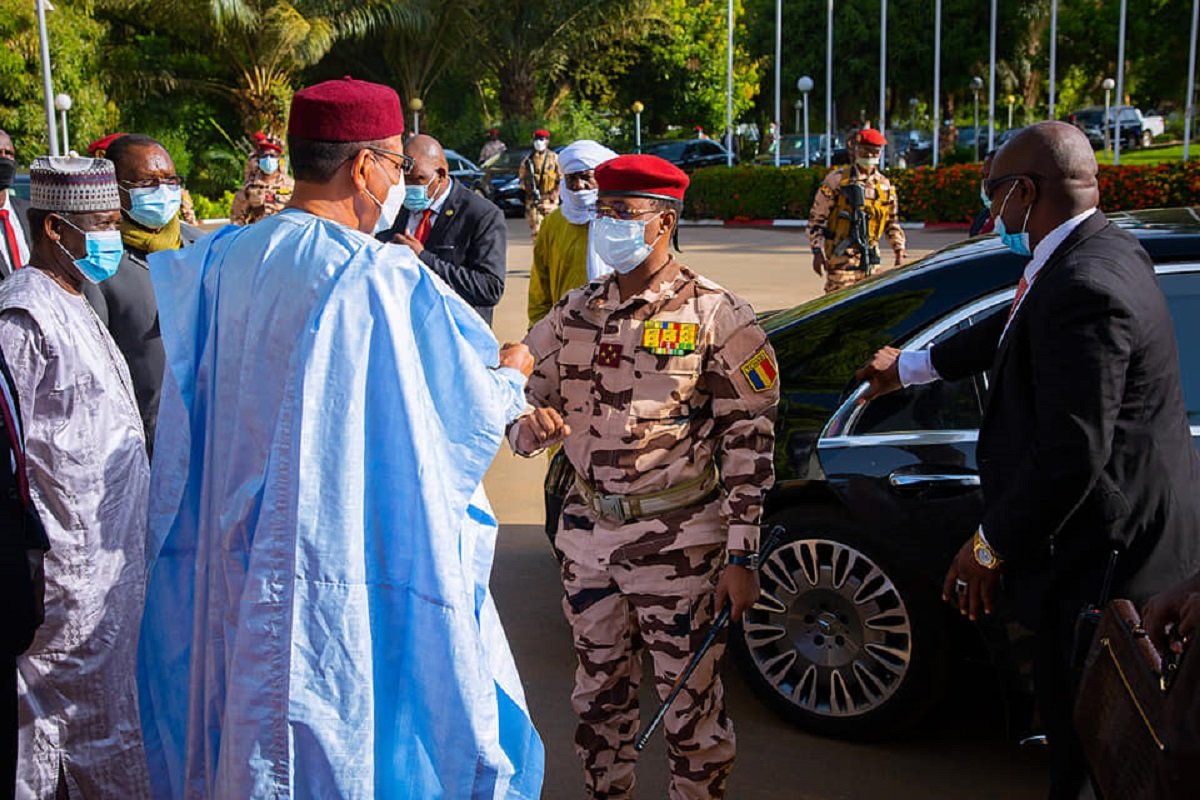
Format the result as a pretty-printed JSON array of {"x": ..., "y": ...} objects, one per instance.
[
  {"x": 900, "y": 256},
  {"x": 737, "y": 586},
  {"x": 1178, "y": 608},
  {"x": 980, "y": 584},
  {"x": 820, "y": 265},
  {"x": 541, "y": 429},
  {"x": 882, "y": 372},
  {"x": 516, "y": 356},
  {"x": 412, "y": 241}
]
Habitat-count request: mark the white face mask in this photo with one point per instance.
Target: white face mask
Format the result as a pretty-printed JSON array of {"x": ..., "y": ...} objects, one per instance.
[
  {"x": 540, "y": 145},
  {"x": 867, "y": 163},
  {"x": 389, "y": 209},
  {"x": 577, "y": 205},
  {"x": 621, "y": 243}
]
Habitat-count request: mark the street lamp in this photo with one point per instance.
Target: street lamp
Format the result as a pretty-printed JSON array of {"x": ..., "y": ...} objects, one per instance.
[
  {"x": 829, "y": 85},
  {"x": 415, "y": 105},
  {"x": 800, "y": 104},
  {"x": 1011, "y": 99},
  {"x": 805, "y": 85},
  {"x": 976, "y": 85},
  {"x": 62, "y": 102},
  {"x": 47, "y": 91},
  {"x": 1108, "y": 85},
  {"x": 637, "y": 108}
]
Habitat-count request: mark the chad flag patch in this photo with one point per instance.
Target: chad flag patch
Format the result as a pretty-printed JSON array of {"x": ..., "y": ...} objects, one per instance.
[
  {"x": 760, "y": 371},
  {"x": 669, "y": 338}
]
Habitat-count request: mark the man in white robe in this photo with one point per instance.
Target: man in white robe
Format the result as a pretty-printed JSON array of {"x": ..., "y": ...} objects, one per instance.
[{"x": 88, "y": 477}]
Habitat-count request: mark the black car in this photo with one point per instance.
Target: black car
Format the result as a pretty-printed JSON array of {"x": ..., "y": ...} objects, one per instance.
[
  {"x": 850, "y": 637},
  {"x": 463, "y": 170},
  {"x": 791, "y": 151},
  {"x": 690, "y": 154}
]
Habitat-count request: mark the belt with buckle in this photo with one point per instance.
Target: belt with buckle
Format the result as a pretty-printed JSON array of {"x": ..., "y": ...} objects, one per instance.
[{"x": 629, "y": 507}]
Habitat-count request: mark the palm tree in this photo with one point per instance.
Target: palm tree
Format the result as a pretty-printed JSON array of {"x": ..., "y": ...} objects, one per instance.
[{"x": 260, "y": 46}]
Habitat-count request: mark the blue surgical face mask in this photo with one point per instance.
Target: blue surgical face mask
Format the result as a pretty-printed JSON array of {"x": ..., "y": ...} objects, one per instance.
[
  {"x": 104, "y": 252},
  {"x": 1016, "y": 242},
  {"x": 983, "y": 197},
  {"x": 155, "y": 207},
  {"x": 416, "y": 198},
  {"x": 268, "y": 164},
  {"x": 621, "y": 243}
]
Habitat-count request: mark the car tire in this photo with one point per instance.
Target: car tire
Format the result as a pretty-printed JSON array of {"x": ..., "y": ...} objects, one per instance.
[{"x": 806, "y": 647}]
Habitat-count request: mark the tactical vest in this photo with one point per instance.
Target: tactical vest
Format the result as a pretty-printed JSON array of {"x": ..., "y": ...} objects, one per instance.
[{"x": 877, "y": 210}]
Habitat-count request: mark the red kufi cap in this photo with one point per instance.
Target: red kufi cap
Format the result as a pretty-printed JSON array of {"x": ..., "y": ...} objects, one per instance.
[
  {"x": 346, "y": 111},
  {"x": 101, "y": 145},
  {"x": 641, "y": 176},
  {"x": 541, "y": 133},
  {"x": 871, "y": 136}
]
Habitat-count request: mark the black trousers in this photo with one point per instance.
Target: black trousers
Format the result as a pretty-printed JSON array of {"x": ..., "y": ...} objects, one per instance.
[{"x": 9, "y": 724}]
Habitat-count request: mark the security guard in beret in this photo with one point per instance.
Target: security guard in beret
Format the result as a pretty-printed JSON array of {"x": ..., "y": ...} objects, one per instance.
[
  {"x": 539, "y": 176},
  {"x": 665, "y": 389},
  {"x": 854, "y": 208}
]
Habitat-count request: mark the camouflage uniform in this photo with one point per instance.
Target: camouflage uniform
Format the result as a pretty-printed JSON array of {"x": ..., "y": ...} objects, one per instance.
[
  {"x": 843, "y": 261},
  {"x": 657, "y": 389},
  {"x": 539, "y": 170},
  {"x": 261, "y": 194}
]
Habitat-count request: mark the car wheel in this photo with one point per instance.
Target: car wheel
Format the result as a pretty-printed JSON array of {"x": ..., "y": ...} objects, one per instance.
[
  {"x": 841, "y": 642},
  {"x": 1147, "y": 138}
]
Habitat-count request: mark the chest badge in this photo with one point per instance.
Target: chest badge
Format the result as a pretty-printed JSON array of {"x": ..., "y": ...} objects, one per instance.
[
  {"x": 609, "y": 355},
  {"x": 760, "y": 371},
  {"x": 669, "y": 338}
]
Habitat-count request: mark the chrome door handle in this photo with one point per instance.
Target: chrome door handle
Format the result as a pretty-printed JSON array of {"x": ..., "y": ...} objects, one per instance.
[{"x": 902, "y": 480}]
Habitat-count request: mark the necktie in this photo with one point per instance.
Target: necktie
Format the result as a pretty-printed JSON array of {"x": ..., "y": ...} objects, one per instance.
[
  {"x": 1022, "y": 287},
  {"x": 422, "y": 231},
  {"x": 10, "y": 241}
]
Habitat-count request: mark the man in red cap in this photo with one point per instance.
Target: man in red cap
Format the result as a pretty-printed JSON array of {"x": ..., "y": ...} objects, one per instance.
[
  {"x": 657, "y": 375},
  {"x": 317, "y": 620},
  {"x": 492, "y": 148},
  {"x": 267, "y": 186},
  {"x": 539, "y": 175},
  {"x": 854, "y": 208}
]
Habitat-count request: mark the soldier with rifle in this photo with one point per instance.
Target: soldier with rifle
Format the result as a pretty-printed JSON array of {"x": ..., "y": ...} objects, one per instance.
[
  {"x": 855, "y": 206},
  {"x": 539, "y": 175}
]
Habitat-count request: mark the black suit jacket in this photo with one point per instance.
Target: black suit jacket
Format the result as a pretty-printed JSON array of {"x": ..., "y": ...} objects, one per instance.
[
  {"x": 466, "y": 247},
  {"x": 21, "y": 211},
  {"x": 1085, "y": 442},
  {"x": 126, "y": 305}
]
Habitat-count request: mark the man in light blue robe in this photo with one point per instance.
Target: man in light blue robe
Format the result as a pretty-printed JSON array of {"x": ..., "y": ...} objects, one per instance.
[{"x": 317, "y": 617}]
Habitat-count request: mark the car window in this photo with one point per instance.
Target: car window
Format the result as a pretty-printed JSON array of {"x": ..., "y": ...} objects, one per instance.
[
  {"x": 1183, "y": 297},
  {"x": 937, "y": 406},
  {"x": 671, "y": 151},
  {"x": 709, "y": 149}
]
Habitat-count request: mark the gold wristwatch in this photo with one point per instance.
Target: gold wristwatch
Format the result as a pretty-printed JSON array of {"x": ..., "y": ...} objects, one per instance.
[{"x": 985, "y": 556}]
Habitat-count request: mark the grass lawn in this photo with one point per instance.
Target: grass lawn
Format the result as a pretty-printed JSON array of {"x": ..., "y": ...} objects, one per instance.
[{"x": 1152, "y": 155}]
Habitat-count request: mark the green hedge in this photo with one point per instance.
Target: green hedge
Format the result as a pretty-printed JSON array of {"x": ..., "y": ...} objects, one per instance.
[{"x": 944, "y": 194}]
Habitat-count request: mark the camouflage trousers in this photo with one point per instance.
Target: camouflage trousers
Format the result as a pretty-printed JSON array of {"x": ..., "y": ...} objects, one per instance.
[
  {"x": 663, "y": 602},
  {"x": 534, "y": 214},
  {"x": 841, "y": 278}
]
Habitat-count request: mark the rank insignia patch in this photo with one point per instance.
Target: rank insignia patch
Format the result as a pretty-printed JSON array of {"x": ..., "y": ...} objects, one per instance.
[
  {"x": 669, "y": 338},
  {"x": 609, "y": 355},
  {"x": 760, "y": 371}
]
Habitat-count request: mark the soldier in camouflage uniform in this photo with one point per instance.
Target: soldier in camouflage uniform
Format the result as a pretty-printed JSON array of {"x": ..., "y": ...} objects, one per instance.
[
  {"x": 539, "y": 175},
  {"x": 829, "y": 223},
  {"x": 669, "y": 387},
  {"x": 267, "y": 188}
]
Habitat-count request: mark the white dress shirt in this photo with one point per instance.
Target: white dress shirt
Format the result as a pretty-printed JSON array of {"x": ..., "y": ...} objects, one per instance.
[
  {"x": 414, "y": 217},
  {"x": 916, "y": 366},
  {"x": 15, "y": 220}
]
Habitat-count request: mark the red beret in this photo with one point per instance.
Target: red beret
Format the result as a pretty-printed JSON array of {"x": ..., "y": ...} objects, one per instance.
[
  {"x": 346, "y": 111},
  {"x": 100, "y": 146},
  {"x": 641, "y": 176},
  {"x": 264, "y": 142},
  {"x": 541, "y": 133},
  {"x": 871, "y": 136}
]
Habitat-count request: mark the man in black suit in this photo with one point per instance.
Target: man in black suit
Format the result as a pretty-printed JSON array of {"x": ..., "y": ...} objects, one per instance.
[
  {"x": 455, "y": 232},
  {"x": 14, "y": 229},
  {"x": 1085, "y": 450}
]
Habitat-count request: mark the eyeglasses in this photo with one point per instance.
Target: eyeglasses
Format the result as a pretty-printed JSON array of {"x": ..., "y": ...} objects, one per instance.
[
  {"x": 153, "y": 183},
  {"x": 990, "y": 185},
  {"x": 622, "y": 213},
  {"x": 405, "y": 164}
]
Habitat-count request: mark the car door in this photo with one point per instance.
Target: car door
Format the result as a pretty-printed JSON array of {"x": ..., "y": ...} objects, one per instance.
[
  {"x": 904, "y": 464},
  {"x": 1181, "y": 285}
]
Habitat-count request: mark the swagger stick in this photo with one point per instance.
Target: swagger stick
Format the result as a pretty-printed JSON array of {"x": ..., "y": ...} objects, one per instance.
[{"x": 714, "y": 630}]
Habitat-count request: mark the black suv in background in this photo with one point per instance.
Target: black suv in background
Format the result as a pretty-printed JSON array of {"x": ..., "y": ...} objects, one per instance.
[
  {"x": 690, "y": 154},
  {"x": 850, "y": 637}
]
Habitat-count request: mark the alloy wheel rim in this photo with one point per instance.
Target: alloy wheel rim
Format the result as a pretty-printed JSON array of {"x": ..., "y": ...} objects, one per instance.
[{"x": 831, "y": 632}]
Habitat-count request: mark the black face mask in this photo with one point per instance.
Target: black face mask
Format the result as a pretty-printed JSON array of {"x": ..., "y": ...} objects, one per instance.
[{"x": 8, "y": 170}]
